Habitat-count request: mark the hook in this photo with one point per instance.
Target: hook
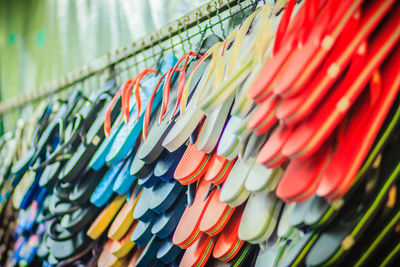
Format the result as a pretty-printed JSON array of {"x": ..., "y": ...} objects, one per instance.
[
  {"x": 241, "y": 10},
  {"x": 159, "y": 42},
  {"x": 159, "y": 61},
  {"x": 152, "y": 48},
  {"x": 83, "y": 90},
  {"x": 185, "y": 22},
  {"x": 128, "y": 68},
  {"x": 170, "y": 40},
  {"x": 98, "y": 81},
  {"x": 198, "y": 20},
  {"x": 203, "y": 34},
  {"x": 220, "y": 19},
  {"x": 210, "y": 19},
  {"x": 134, "y": 57},
  {"x": 229, "y": 9},
  {"x": 181, "y": 42},
  {"x": 144, "y": 56}
]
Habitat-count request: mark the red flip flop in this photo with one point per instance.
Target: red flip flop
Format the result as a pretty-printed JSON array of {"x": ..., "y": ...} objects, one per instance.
[
  {"x": 324, "y": 31},
  {"x": 310, "y": 135},
  {"x": 295, "y": 109},
  {"x": 264, "y": 116},
  {"x": 301, "y": 178},
  {"x": 285, "y": 42},
  {"x": 198, "y": 253},
  {"x": 353, "y": 148},
  {"x": 228, "y": 243},
  {"x": 216, "y": 216},
  {"x": 192, "y": 165},
  {"x": 270, "y": 154},
  {"x": 218, "y": 169},
  {"x": 187, "y": 230}
]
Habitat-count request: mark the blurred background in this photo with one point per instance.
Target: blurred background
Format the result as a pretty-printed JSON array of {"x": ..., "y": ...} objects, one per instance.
[{"x": 40, "y": 40}]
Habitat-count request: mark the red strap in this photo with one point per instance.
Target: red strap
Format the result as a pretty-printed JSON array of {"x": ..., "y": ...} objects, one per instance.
[
  {"x": 128, "y": 91},
  {"x": 107, "y": 119},
  {"x": 311, "y": 13},
  {"x": 283, "y": 25},
  {"x": 126, "y": 98},
  {"x": 223, "y": 49},
  {"x": 166, "y": 90},
  {"x": 167, "y": 87},
  {"x": 181, "y": 84},
  {"x": 147, "y": 113}
]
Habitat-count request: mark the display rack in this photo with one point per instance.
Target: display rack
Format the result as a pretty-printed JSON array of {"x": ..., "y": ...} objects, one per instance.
[{"x": 216, "y": 16}]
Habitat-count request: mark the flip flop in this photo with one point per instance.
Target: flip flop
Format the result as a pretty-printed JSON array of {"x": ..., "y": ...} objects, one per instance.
[
  {"x": 135, "y": 256},
  {"x": 198, "y": 253},
  {"x": 165, "y": 224},
  {"x": 187, "y": 231},
  {"x": 259, "y": 218},
  {"x": 192, "y": 165},
  {"x": 142, "y": 211},
  {"x": 264, "y": 116},
  {"x": 191, "y": 116},
  {"x": 390, "y": 86},
  {"x": 124, "y": 219},
  {"x": 105, "y": 217},
  {"x": 233, "y": 191},
  {"x": 108, "y": 259},
  {"x": 168, "y": 252},
  {"x": 302, "y": 176},
  {"x": 85, "y": 186},
  {"x": 285, "y": 42},
  {"x": 228, "y": 243},
  {"x": 139, "y": 168},
  {"x": 77, "y": 220},
  {"x": 300, "y": 143},
  {"x": 270, "y": 154},
  {"x": 165, "y": 195},
  {"x": 167, "y": 163},
  {"x": 216, "y": 216},
  {"x": 121, "y": 248},
  {"x": 218, "y": 169},
  {"x": 229, "y": 145},
  {"x": 142, "y": 234},
  {"x": 124, "y": 180},
  {"x": 259, "y": 178},
  {"x": 294, "y": 108},
  {"x": 236, "y": 60},
  {"x": 149, "y": 253},
  {"x": 103, "y": 191},
  {"x": 212, "y": 127},
  {"x": 331, "y": 22},
  {"x": 129, "y": 133},
  {"x": 156, "y": 134}
]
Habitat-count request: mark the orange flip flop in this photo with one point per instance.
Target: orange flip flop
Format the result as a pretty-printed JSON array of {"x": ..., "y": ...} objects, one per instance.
[
  {"x": 218, "y": 169},
  {"x": 198, "y": 253},
  {"x": 216, "y": 216},
  {"x": 187, "y": 231},
  {"x": 192, "y": 165},
  {"x": 228, "y": 243}
]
